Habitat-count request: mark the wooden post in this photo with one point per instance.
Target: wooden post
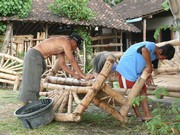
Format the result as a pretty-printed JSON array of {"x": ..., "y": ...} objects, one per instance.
[{"x": 7, "y": 38}]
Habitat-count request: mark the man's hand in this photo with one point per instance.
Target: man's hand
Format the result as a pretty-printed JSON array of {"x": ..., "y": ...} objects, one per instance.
[
  {"x": 88, "y": 77},
  {"x": 150, "y": 81}
]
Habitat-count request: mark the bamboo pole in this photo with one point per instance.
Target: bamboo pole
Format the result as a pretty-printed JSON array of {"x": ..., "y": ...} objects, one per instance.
[
  {"x": 70, "y": 103},
  {"x": 56, "y": 97},
  {"x": 110, "y": 110},
  {"x": 168, "y": 69},
  {"x": 69, "y": 81},
  {"x": 76, "y": 98},
  {"x": 76, "y": 89},
  {"x": 64, "y": 103},
  {"x": 174, "y": 42},
  {"x": 11, "y": 57},
  {"x": 117, "y": 96},
  {"x": 96, "y": 86},
  {"x": 134, "y": 92},
  {"x": 73, "y": 117},
  {"x": 59, "y": 101}
]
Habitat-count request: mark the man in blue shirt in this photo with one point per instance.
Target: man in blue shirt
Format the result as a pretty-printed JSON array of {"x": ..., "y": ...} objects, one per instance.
[{"x": 131, "y": 65}]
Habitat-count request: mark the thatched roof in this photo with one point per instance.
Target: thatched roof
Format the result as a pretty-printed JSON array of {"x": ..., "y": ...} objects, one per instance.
[
  {"x": 138, "y": 8},
  {"x": 105, "y": 16}
]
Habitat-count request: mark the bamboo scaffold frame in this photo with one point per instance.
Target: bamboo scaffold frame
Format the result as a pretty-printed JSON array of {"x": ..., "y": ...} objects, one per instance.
[{"x": 72, "y": 97}]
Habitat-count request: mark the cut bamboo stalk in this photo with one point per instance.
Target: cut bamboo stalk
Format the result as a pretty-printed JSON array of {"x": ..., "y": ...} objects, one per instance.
[
  {"x": 11, "y": 57},
  {"x": 96, "y": 86},
  {"x": 9, "y": 71},
  {"x": 57, "y": 96},
  {"x": 134, "y": 92},
  {"x": 110, "y": 110},
  {"x": 76, "y": 98},
  {"x": 59, "y": 101},
  {"x": 45, "y": 93},
  {"x": 173, "y": 42},
  {"x": 71, "y": 117},
  {"x": 70, "y": 103},
  {"x": 69, "y": 81},
  {"x": 168, "y": 69},
  {"x": 8, "y": 76},
  {"x": 76, "y": 89},
  {"x": 64, "y": 103},
  {"x": 16, "y": 83},
  {"x": 117, "y": 96}
]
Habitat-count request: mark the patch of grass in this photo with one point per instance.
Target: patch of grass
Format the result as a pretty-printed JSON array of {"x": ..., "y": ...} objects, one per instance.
[{"x": 94, "y": 121}]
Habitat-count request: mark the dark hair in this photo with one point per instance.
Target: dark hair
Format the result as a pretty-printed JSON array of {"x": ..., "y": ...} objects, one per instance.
[
  {"x": 78, "y": 39},
  {"x": 168, "y": 51}
]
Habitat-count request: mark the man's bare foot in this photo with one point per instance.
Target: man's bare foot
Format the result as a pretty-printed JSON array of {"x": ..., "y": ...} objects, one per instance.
[{"x": 144, "y": 119}]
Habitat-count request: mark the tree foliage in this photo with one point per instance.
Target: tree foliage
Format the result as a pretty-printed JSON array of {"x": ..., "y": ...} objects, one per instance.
[
  {"x": 76, "y": 10},
  {"x": 20, "y": 8}
]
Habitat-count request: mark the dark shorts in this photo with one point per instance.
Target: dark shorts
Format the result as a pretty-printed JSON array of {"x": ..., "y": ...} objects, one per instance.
[{"x": 33, "y": 68}]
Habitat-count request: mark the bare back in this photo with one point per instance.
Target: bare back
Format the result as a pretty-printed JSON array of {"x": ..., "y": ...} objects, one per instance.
[{"x": 52, "y": 46}]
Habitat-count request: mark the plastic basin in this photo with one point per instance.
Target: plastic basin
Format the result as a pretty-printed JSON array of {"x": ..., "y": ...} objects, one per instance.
[{"x": 36, "y": 113}]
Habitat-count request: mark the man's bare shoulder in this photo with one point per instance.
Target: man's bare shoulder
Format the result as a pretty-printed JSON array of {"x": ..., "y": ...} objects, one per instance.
[{"x": 57, "y": 38}]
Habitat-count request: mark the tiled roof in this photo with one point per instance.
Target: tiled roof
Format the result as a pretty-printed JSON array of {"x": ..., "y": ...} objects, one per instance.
[
  {"x": 138, "y": 8},
  {"x": 105, "y": 16}
]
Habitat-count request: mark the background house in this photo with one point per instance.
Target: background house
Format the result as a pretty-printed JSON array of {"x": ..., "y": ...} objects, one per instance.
[
  {"x": 41, "y": 24},
  {"x": 147, "y": 15}
]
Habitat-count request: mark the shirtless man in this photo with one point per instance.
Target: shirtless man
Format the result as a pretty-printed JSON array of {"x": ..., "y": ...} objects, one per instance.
[{"x": 34, "y": 64}]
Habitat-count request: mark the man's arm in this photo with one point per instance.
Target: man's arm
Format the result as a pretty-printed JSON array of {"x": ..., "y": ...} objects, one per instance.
[
  {"x": 62, "y": 64},
  {"x": 147, "y": 58},
  {"x": 149, "y": 68}
]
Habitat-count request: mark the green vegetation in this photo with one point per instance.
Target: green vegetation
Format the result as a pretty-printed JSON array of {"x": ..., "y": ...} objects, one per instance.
[
  {"x": 76, "y": 10},
  {"x": 166, "y": 120},
  {"x": 20, "y": 8},
  {"x": 166, "y": 7}
]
